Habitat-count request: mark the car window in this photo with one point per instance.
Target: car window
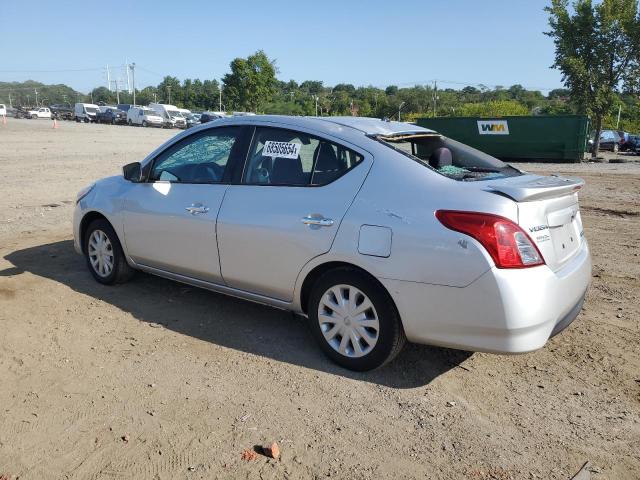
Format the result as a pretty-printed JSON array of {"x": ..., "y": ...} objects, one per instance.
[
  {"x": 201, "y": 158},
  {"x": 449, "y": 157},
  {"x": 287, "y": 157}
]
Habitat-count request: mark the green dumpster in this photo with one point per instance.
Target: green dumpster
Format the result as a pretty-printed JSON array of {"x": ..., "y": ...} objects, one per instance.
[{"x": 545, "y": 137}]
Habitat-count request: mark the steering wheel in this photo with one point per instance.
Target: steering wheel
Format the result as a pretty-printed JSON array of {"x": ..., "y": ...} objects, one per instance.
[{"x": 214, "y": 171}]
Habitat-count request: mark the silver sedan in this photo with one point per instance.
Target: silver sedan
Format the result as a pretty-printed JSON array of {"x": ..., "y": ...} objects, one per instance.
[{"x": 376, "y": 232}]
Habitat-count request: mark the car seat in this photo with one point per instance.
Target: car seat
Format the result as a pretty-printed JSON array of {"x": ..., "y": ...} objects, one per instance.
[
  {"x": 287, "y": 171},
  {"x": 441, "y": 157},
  {"x": 328, "y": 167}
]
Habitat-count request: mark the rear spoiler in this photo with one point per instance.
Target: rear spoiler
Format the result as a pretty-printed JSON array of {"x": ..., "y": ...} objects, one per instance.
[{"x": 535, "y": 187}]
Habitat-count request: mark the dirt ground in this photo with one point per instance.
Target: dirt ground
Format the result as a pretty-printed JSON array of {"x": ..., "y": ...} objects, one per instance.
[{"x": 153, "y": 379}]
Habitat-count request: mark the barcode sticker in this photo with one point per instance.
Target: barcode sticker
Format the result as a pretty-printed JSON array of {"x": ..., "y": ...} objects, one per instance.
[{"x": 281, "y": 149}]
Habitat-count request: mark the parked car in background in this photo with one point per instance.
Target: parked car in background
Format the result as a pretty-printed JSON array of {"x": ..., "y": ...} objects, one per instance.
[
  {"x": 634, "y": 141},
  {"x": 125, "y": 106},
  {"x": 62, "y": 111},
  {"x": 625, "y": 142},
  {"x": 185, "y": 112},
  {"x": 144, "y": 116},
  {"x": 111, "y": 115},
  {"x": 21, "y": 111},
  {"x": 85, "y": 112},
  {"x": 193, "y": 119},
  {"x": 210, "y": 116},
  {"x": 42, "y": 112},
  {"x": 374, "y": 231},
  {"x": 171, "y": 117},
  {"x": 609, "y": 140},
  {"x": 3, "y": 110}
]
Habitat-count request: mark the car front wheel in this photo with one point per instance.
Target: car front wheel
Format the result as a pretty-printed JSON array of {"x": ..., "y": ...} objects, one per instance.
[
  {"x": 354, "y": 320},
  {"x": 104, "y": 254}
]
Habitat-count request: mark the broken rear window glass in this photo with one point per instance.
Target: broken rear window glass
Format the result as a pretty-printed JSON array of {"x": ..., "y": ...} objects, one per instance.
[{"x": 449, "y": 157}]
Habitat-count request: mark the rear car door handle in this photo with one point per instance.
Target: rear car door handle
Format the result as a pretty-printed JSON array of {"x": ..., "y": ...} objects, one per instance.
[
  {"x": 318, "y": 221},
  {"x": 197, "y": 209}
]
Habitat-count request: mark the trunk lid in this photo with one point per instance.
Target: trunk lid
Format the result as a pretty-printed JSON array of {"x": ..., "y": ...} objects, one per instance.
[{"x": 548, "y": 211}]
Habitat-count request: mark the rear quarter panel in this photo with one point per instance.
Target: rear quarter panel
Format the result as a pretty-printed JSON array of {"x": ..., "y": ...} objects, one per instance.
[{"x": 403, "y": 195}]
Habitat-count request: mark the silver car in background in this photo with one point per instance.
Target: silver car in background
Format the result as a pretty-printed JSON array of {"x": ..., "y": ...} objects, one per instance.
[{"x": 376, "y": 232}]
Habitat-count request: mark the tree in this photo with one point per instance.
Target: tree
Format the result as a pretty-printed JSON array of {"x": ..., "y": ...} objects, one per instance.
[
  {"x": 251, "y": 82},
  {"x": 494, "y": 108},
  {"x": 597, "y": 51}
]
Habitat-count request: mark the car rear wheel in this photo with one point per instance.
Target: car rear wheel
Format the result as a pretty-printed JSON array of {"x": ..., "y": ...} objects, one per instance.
[
  {"x": 144, "y": 123},
  {"x": 354, "y": 320},
  {"x": 615, "y": 148},
  {"x": 104, "y": 254}
]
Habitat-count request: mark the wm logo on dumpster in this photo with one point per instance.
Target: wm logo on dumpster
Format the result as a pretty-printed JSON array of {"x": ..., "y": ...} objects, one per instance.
[{"x": 493, "y": 127}]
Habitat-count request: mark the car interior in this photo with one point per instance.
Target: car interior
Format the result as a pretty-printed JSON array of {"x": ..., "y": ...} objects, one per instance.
[{"x": 318, "y": 163}]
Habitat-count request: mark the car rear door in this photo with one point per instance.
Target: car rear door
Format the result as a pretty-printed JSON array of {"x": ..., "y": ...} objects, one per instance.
[
  {"x": 170, "y": 219},
  {"x": 293, "y": 193}
]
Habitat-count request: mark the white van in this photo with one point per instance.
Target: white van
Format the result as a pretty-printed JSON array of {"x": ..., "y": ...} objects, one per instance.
[
  {"x": 170, "y": 114},
  {"x": 144, "y": 116},
  {"x": 3, "y": 110},
  {"x": 85, "y": 112}
]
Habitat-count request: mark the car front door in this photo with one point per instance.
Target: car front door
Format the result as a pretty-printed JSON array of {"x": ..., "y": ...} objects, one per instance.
[
  {"x": 286, "y": 209},
  {"x": 170, "y": 219}
]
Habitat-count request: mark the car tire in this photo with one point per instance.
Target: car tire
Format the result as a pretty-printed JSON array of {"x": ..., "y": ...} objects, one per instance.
[
  {"x": 615, "y": 148},
  {"x": 113, "y": 122},
  {"x": 364, "y": 331},
  {"x": 144, "y": 123},
  {"x": 101, "y": 244},
  {"x": 34, "y": 117}
]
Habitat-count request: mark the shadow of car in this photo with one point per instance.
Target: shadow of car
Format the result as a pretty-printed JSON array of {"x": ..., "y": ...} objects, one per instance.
[{"x": 223, "y": 320}]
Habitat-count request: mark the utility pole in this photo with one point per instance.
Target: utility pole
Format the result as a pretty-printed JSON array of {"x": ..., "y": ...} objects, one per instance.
[
  {"x": 117, "y": 92},
  {"x": 108, "y": 78},
  {"x": 400, "y": 109},
  {"x": 435, "y": 98},
  {"x": 36, "y": 90},
  {"x": 10, "y": 105},
  {"x": 316, "y": 99},
  {"x": 169, "y": 88},
  {"x": 220, "y": 97},
  {"x": 619, "y": 111},
  {"x": 133, "y": 80}
]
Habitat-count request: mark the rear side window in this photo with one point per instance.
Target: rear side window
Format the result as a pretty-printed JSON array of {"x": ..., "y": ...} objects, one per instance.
[
  {"x": 449, "y": 157},
  {"x": 287, "y": 157}
]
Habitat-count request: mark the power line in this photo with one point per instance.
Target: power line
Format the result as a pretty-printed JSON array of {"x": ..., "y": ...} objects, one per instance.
[{"x": 54, "y": 71}]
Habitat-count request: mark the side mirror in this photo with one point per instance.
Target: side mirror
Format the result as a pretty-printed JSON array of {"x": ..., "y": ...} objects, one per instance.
[{"x": 132, "y": 172}]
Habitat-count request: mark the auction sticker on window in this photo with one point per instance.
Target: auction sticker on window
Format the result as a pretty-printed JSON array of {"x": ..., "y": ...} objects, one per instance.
[{"x": 281, "y": 149}]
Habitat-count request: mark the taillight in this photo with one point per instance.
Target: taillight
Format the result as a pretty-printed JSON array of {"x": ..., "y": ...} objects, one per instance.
[{"x": 506, "y": 242}]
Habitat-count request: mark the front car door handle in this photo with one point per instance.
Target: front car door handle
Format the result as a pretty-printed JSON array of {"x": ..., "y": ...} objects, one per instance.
[
  {"x": 197, "y": 209},
  {"x": 317, "y": 221}
]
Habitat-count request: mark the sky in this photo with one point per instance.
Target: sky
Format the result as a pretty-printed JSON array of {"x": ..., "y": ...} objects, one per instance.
[{"x": 380, "y": 43}]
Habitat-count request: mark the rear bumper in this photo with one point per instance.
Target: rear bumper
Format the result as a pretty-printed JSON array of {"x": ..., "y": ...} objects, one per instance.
[{"x": 503, "y": 311}]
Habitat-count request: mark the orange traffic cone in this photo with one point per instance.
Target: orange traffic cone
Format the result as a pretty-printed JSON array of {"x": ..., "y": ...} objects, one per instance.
[{"x": 55, "y": 123}]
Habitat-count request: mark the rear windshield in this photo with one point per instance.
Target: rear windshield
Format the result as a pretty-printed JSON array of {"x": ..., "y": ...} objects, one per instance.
[{"x": 450, "y": 158}]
